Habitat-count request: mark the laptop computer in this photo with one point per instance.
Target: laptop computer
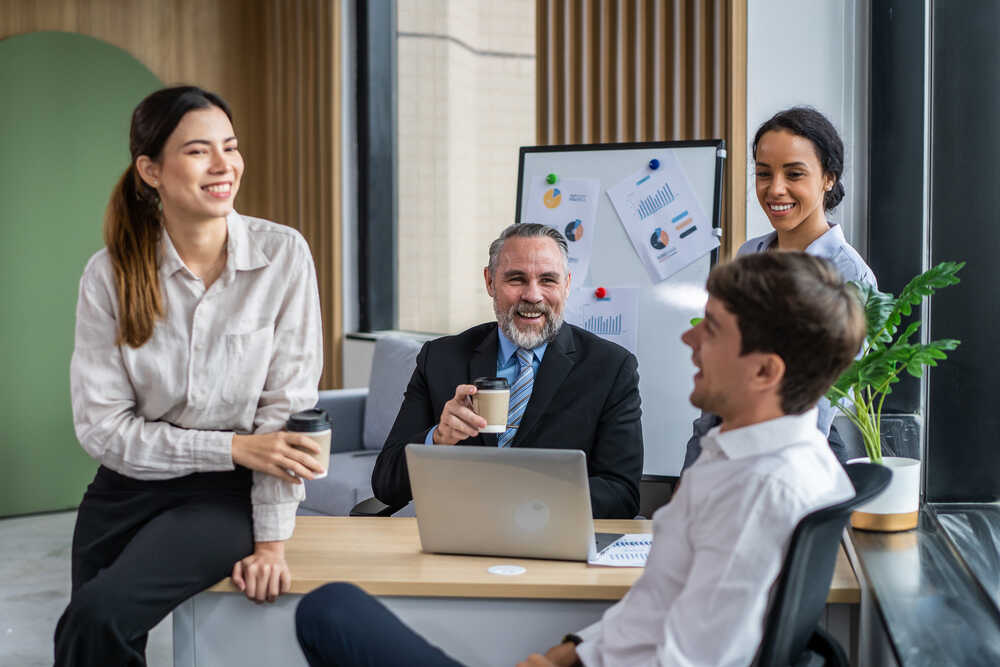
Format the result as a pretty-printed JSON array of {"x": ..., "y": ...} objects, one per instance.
[{"x": 526, "y": 503}]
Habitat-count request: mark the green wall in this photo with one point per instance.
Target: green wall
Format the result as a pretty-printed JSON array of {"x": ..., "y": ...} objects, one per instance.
[{"x": 65, "y": 105}]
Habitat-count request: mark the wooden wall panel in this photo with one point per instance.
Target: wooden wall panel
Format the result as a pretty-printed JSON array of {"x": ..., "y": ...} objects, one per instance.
[
  {"x": 277, "y": 63},
  {"x": 302, "y": 71},
  {"x": 647, "y": 70}
]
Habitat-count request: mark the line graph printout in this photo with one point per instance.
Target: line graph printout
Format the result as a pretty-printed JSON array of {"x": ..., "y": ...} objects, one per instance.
[
  {"x": 663, "y": 218},
  {"x": 614, "y": 317},
  {"x": 569, "y": 205}
]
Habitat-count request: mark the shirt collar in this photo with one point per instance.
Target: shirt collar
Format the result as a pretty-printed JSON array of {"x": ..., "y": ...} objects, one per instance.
[
  {"x": 765, "y": 437},
  {"x": 507, "y": 349},
  {"x": 829, "y": 243},
  {"x": 825, "y": 246},
  {"x": 170, "y": 262},
  {"x": 243, "y": 254}
]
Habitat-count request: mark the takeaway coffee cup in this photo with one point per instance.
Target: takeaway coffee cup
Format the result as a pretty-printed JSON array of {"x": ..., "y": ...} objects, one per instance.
[
  {"x": 490, "y": 402},
  {"x": 316, "y": 425}
]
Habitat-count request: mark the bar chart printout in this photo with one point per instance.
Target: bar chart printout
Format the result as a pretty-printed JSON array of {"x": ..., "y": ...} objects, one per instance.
[
  {"x": 604, "y": 326},
  {"x": 656, "y": 201},
  {"x": 614, "y": 317},
  {"x": 663, "y": 218}
]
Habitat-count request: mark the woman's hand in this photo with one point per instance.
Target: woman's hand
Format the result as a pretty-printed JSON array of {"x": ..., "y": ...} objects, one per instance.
[
  {"x": 278, "y": 454},
  {"x": 561, "y": 655},
  {"x": 264, "y": 574}
]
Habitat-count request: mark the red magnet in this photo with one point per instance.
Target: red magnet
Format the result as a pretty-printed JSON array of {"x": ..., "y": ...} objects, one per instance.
[{"x": 600, "y": 292}]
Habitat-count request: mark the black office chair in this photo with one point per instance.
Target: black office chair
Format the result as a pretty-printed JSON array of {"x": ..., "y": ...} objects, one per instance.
[
  {"x": 655, "y": 491},
  {"x": 374, "y": 507},
  {"x": 792, "y": 635}
]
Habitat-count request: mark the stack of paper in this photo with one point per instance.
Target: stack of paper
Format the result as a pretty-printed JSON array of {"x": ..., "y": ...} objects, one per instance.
[{"x": 627, "y": 551}]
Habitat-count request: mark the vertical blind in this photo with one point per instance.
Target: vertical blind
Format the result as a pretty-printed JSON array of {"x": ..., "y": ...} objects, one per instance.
[
  {"x": 611, "y": 71},
  {"x": 300, "y": 86}
]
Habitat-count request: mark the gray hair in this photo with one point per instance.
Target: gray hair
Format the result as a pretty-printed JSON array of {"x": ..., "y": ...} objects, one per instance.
[{"x": 528, "y": 230}]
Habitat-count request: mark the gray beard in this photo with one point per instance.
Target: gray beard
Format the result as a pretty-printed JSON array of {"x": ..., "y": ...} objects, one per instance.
[{"x": 529, "y": 340}]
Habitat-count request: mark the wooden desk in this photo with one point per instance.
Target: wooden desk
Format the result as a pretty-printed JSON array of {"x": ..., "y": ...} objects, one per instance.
[{"x": 478, "y": 617}]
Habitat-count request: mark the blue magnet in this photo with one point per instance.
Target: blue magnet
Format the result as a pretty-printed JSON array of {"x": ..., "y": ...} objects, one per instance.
[
  {"x": 551, "y": 179},
  {"x": 654, "y": 164}
]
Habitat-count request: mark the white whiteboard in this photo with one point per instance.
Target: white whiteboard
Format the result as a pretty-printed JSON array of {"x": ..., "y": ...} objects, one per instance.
[{"x": 665, "y": 308}]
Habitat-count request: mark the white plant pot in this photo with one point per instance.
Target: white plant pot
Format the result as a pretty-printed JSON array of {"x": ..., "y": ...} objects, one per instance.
[{"x": 898, "y": 506}]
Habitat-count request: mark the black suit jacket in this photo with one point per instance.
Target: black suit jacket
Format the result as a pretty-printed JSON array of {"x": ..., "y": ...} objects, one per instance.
[{"x": 585, "y": 396}]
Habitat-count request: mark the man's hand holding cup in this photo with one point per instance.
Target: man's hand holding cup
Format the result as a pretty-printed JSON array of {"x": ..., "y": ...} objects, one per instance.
[
  {"x": 458, "y": 421},
  {"x": 475, "y": 408}
]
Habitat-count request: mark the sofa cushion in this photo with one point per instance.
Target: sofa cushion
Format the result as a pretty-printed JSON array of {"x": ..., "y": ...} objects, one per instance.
[
  {"x": 348, "y": 483},
  {"x": 393, "y": 362}
]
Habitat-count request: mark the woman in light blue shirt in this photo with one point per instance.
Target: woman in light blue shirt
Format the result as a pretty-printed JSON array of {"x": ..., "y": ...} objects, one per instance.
[{"x": 799, "y": 161}]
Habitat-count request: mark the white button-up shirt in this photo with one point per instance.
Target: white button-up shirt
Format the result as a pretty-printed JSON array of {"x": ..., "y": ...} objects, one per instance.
[
  {"x": 718, "y": 548},
  {"x": 240, "y": 357}
]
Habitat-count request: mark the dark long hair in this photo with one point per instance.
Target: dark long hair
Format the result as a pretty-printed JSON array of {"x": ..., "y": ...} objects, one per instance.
[
  {"x": 132, "y": 221},
  {"x": 814, "y": 126}
]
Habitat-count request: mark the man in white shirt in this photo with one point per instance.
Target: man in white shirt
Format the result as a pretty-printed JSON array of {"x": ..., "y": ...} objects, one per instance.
[{"x": 779, "y": 328}]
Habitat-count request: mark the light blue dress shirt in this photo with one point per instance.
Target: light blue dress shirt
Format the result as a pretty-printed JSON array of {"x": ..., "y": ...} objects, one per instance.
[
  {"x": 832, "y": 246},
  {"x": 507, "y": 366}
]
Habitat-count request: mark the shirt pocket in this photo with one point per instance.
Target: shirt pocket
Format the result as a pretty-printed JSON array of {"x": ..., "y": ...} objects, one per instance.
[{"x": 248, "y": 357}]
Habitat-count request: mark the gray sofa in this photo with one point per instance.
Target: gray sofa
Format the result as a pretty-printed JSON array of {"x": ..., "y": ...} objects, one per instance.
[{"x": 361, "y": 422}]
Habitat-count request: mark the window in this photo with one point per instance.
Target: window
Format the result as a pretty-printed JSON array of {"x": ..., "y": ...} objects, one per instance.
[{"x": 465, "y": 104}]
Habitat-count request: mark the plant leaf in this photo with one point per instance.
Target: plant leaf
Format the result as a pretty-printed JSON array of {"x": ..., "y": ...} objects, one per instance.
[
  {"x": 878, "y": 306},
  {"x": 923, "y": 285},
  {"x": 910, "y": 330},
  {"x": 886, "y": 355}
]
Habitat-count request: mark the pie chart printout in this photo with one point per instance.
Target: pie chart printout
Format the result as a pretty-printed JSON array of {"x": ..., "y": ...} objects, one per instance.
[
  {"x": 570, "y": 208},
  {"x": 552, "y": 198},
  {"x": 574, "y": 231},
  {"x": 659, "y": 239}
]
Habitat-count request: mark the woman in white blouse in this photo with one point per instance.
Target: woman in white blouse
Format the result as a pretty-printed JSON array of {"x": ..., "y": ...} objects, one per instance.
[{"x": 198, "y": 334}]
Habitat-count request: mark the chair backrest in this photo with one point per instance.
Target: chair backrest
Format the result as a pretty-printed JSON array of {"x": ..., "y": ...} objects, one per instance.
[
  {"x": 655, "y": 491},
  {"x": 804, "y": 583},
  {"x": 393, "y": 362}
]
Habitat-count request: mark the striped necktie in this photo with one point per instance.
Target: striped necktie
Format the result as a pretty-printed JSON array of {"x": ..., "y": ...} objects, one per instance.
[{"x": 519, "y": 395}]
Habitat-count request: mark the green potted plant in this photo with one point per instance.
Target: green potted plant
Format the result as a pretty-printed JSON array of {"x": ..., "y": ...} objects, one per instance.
[{"x": 861, "y": 390}]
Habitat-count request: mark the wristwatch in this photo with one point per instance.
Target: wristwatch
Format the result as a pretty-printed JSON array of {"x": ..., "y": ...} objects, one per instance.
[{"x": 575, "y": 640}]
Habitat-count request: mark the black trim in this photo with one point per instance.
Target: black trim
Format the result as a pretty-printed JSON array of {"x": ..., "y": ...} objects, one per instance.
[
  {"x": 377, "y": 197},
  {"x": 962, "y": 418},
  {"x": 896, "y": 159}
]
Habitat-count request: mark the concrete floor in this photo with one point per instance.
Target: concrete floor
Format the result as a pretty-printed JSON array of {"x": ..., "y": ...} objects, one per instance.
[{"x": 34, "y": 590}]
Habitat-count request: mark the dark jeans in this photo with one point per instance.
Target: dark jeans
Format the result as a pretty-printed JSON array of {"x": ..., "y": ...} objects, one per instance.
[
  {"x": 140, "y": 548},
  {"x": 340, "y": 624}
]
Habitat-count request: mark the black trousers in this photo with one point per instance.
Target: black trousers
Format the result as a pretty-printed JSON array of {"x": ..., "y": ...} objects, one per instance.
[
  {"x": 340, "y": 624},
  {"x": 140, "y": 548}
]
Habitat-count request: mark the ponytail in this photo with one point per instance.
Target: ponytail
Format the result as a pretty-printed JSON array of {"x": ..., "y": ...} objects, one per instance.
[{"x": 132, "y": 236}]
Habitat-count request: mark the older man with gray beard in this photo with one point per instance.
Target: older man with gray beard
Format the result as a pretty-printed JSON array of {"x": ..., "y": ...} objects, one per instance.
[{"x": 570, "y": 389}]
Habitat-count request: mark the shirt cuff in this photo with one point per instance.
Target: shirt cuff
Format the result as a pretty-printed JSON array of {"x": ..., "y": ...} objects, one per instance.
[
  {"x": 590, "y": 633},
  {"x": 274, "y": 523},
  {"x": 429, "y": 440},
  {"x": 212, "y": 450}
]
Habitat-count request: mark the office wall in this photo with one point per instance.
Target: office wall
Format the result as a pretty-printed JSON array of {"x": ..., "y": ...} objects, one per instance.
[
  {"x": 277, "y": 63},
  {"x": 812, "y": 53},
  {"x": 64, "y": 119}
]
